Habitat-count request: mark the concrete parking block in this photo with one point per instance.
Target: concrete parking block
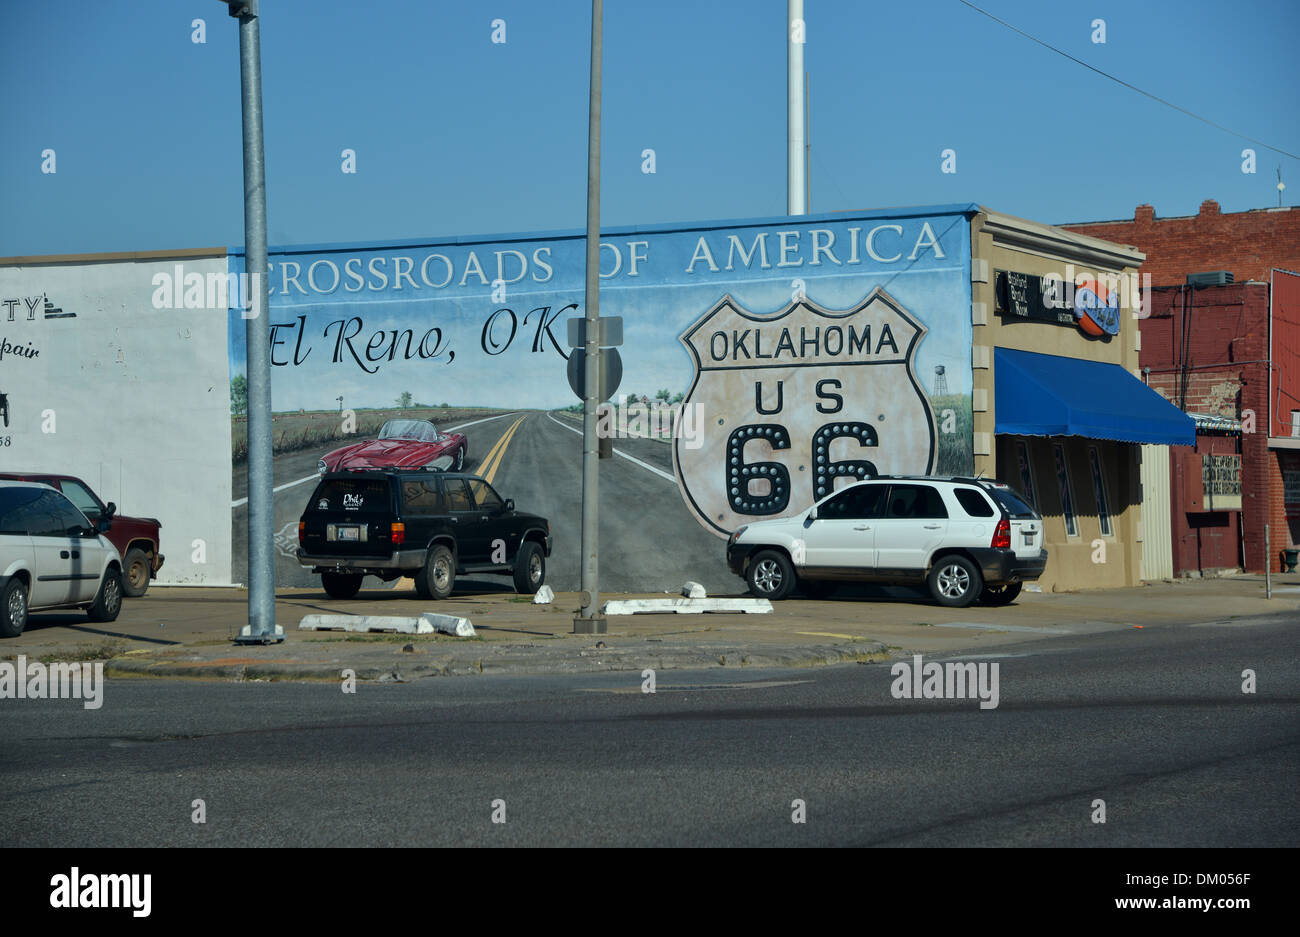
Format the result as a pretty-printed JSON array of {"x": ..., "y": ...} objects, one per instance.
[
  {"x": 365, "y": 623},
  {"x": 447, "y": 624},
  {"x": 685, "y": 606}
]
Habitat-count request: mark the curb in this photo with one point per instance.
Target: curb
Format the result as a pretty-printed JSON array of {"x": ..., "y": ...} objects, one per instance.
[{"x": 586, "y": 660}]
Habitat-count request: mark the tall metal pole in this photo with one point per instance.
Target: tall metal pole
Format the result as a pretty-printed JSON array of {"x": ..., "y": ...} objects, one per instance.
[
  {"x": 807, "y": 147},
  {"x": 589, "y": 620},
  {"x": 797, "y": 167},
  {"x": 261, "y": 627}
]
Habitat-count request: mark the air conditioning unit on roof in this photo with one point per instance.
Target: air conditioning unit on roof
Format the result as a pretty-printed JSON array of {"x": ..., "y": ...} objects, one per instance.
[{"x": 1213, "y": 278}]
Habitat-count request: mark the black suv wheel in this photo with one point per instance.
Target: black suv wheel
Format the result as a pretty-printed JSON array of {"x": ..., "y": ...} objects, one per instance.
[
  {"x": 341, "y": 585},
  {"x": 530, "y": 568},
  {"x": 435, "y": 579},
  {"x": 1001, "y": 595}
]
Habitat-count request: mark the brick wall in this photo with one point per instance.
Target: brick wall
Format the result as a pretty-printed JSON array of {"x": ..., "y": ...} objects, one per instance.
[
  {"x": 1215, "y": 392},
  {"x": 1227, "y": 352},
  {"x": 1248, "y": 243}
]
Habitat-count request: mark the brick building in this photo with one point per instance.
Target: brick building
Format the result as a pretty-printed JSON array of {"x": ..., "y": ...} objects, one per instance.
[
  {"x": 1230, "y": 356},
  {"x": 1248, "y": 244}
]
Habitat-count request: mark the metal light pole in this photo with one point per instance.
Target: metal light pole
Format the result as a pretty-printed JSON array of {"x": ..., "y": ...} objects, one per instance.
[
  {"x": 261, "y": 627},
  {"x": 589, "y": 620},
  {"x": 796, "y": 155}
]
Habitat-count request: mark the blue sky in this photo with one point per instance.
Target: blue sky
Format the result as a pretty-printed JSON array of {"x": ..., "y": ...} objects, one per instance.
[{"x": 455, "y": 135}]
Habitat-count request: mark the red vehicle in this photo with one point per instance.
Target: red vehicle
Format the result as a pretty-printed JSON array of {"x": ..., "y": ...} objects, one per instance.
[
  {"x": 136, "y": 538},
  {"x": 403, "y": 444}
]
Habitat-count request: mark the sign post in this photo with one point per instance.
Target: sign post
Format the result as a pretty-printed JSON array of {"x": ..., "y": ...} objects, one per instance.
[
  {"x": 261, "y": 627},
  {"x": 588, "y": 620}
]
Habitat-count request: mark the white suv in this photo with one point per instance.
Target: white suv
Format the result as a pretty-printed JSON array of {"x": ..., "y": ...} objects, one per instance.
[
  {"x": 966, "y": 538},
  {"x": 52, "y": 557}
]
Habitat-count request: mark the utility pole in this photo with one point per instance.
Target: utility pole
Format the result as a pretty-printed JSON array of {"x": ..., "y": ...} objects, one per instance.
[
  {"x": 796, "y": 155},
  {"x": 589, "y": 620},
  {"x": 261, "y": 627}
]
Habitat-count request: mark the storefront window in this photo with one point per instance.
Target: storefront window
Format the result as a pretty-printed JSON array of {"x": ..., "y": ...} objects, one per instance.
[
  {"x": 1099, "y": 488},
  {"x": 1067, "y": 497},
  {"x": 1026, "y": 472}
]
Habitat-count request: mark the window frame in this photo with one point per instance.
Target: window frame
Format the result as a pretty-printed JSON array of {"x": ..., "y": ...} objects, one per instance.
[
  {"x": 1105, "y": 517},
  {"x": 1026, "y": 465},
  {"x": 1065, "y": 490}
]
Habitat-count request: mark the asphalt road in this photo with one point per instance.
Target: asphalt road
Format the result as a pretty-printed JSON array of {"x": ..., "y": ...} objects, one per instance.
[
  {"x": 649, "y": 542},
  {"x": 1153, "y": 722}
]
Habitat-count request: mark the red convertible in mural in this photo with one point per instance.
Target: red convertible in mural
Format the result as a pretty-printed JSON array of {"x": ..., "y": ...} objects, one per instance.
[{"x": 408, "y": 444}]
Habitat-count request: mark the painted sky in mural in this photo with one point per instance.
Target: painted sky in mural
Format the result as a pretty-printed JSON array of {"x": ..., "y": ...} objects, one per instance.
[{"x": 481, "y": 322}]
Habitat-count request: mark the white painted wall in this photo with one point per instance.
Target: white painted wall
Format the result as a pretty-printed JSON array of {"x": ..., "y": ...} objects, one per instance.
[
  {"x": 1157, "y": 534},
  {"x": 137, "y": 398}
]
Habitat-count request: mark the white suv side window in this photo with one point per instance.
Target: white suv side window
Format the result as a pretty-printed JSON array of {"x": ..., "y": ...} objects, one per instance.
[
  {"x": 858, "y": 502},
  {"x": 915, "y": 501}
]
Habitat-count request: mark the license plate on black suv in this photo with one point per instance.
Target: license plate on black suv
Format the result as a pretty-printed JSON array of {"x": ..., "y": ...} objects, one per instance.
[{"x": 349, "y": 533}]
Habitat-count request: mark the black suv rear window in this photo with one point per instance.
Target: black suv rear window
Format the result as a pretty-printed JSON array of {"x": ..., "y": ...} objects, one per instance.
[
  {"x": 362, "y": 495},
  {"x": 1011, "y": 502}
]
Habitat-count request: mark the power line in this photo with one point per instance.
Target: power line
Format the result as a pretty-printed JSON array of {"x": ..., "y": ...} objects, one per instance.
[{"x": 1204, "y": 120}]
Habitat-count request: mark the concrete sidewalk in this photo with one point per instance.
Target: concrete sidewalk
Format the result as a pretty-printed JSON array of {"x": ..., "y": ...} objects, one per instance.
[{"x": 175, "y": 631}]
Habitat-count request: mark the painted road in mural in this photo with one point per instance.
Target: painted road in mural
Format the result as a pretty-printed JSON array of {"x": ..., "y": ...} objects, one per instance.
[{"x": 641, "y": 510}]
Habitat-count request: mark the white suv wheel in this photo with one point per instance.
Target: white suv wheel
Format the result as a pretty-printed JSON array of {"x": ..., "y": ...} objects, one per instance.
[{"x": 955, "y": 581}]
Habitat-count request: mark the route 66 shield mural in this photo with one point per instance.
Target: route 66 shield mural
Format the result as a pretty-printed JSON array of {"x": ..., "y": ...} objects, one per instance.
[{"x": 794, "y": 402}]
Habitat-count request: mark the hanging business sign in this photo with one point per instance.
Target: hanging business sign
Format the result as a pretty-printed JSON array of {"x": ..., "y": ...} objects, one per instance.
[{"x": 1092, "y": 305}]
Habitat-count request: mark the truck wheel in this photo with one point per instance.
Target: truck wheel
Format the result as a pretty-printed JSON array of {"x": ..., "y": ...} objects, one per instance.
[
  {"x": 341, "y": 585},
  {"x": 1001, "y": 595},
  {"x": 13, "y": 608},
  {"x": 136, "y": 581},
  {"x": 770, "y": 575},
  {"x": 955, "y": 582},
  {"x": 109, "y": 600},
  {"x": 435, "y": 579},
  {"x": 530, "y": 568}
]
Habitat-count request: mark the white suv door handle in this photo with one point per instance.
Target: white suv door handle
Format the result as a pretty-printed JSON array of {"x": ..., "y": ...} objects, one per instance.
[
  {"x": 933, "y": 526},
  {"x": 861, "y": 528}
]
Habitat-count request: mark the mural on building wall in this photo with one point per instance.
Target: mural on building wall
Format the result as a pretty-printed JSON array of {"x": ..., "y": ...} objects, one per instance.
[{"x": 798, "y": 353}]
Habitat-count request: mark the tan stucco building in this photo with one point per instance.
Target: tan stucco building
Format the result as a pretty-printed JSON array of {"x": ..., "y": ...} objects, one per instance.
[{"x": 1082, "y": 473}]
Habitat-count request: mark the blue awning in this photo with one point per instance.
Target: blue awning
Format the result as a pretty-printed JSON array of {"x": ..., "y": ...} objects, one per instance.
[{"x": 1047, "y": 395}]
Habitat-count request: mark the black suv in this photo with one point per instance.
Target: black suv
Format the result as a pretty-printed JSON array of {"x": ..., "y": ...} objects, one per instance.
[{"x": 427, "y": 525}]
